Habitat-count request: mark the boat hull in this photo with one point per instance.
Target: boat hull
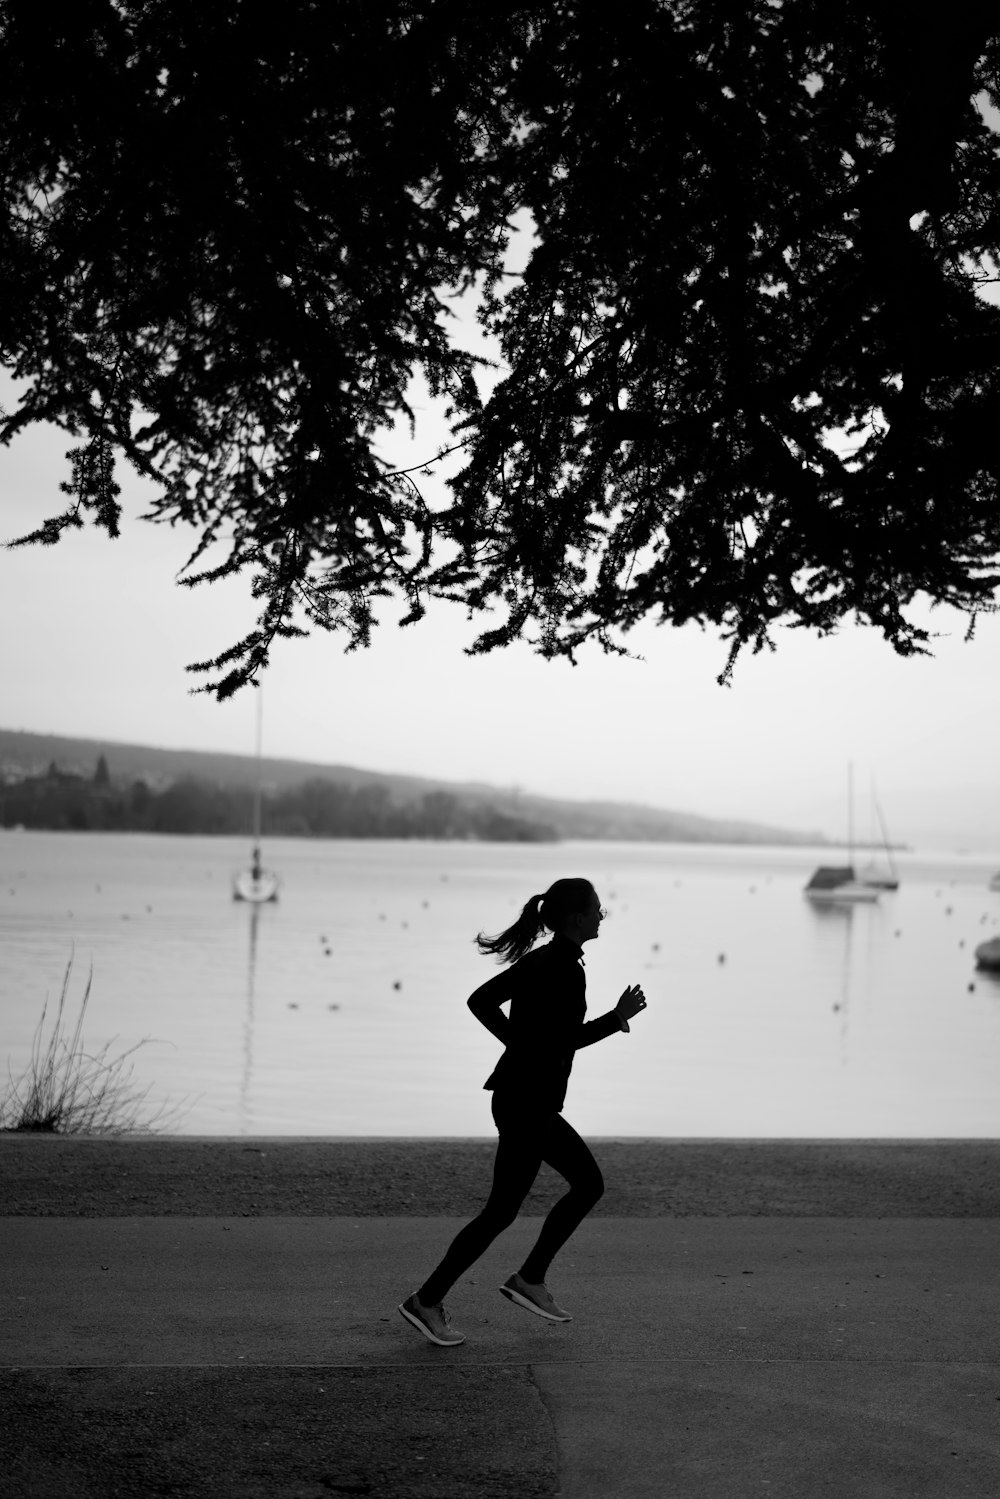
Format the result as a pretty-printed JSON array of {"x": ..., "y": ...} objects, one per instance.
[
  {"x": 988, "y": 955},
  {"x": 258, "y": 890},
  {"x": 844, "y": 895},
  {"x": 838, "y": 885}
]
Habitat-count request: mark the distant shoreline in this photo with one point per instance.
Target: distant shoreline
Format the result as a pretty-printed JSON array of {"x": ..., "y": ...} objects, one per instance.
[
  {"x": 664, "y": 841},
  {"x": 185, "y": 783},
  {"x": 825, "y": 846}
]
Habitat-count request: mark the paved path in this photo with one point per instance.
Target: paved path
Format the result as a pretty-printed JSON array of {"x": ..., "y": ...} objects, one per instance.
[{"x": 709, "y": 1358}]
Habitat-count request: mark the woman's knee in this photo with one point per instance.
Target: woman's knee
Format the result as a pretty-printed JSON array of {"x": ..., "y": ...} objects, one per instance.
[
  {"x": 496, "y": 1216},
  {"x": 589, "y": 1187}
]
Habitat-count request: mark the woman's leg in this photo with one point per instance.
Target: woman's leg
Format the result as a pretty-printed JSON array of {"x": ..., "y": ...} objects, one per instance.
[
  {"x": 567, "y": 1153},
  {"x": 519, "y": 1155}
]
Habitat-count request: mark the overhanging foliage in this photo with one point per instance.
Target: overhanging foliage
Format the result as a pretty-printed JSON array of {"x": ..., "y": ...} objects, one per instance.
[{"x": 751, "y": 376}]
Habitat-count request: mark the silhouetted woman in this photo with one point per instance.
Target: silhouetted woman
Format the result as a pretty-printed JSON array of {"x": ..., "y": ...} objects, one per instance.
[{"x": 546, "y": 1026}]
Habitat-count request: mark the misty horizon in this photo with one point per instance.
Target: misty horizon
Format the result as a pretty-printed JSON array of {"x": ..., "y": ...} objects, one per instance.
[{"x": 946, "y": 820}]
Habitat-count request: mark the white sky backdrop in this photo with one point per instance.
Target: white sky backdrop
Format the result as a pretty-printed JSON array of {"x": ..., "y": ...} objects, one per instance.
[{"x": 96, "y": 635}]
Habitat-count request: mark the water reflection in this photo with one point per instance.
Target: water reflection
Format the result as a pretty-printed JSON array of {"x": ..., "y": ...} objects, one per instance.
[
  {"x": 839, "y": 938},
  {"x": 245, "y": 1080}
]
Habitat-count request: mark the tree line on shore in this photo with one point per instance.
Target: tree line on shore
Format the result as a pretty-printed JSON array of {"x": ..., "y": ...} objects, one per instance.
[{"x": 67, "y": 801}]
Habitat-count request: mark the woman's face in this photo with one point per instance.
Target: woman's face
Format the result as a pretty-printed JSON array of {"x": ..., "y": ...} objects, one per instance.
[{"x": 585, "y": 925}]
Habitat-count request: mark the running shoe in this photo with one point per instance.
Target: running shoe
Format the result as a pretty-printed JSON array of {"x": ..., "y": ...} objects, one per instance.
[
  {"x": 433, "y": 1322},
  {"x": 537, "y": 1299}
]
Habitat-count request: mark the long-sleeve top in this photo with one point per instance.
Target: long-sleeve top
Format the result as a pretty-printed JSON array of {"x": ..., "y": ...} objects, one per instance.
[{"x": 547, "y": 1023}]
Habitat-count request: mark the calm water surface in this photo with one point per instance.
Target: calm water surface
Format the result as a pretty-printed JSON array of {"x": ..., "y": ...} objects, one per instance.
[{"x": 341, "y": 1010}]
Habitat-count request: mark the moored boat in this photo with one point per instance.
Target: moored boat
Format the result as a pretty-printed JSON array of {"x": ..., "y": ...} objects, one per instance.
[
  {"x": 988, "y": 955},
  {"x": 835, "y": 885},
  {"x": 256, "y": 884}
]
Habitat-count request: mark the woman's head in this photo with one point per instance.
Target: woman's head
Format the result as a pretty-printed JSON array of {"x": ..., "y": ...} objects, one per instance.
[{"x": 569, "y": 907}]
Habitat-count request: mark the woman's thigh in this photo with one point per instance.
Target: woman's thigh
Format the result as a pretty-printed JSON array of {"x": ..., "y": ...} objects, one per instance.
[
  {"x": 569, "y": 1154},
  {"x": 522, "y": 1134}
]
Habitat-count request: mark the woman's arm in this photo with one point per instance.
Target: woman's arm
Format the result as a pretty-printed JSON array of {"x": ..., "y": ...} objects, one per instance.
[
  {"x": 631, "y": 1003},
  {"x": 597, "y": 1030},
  {"x": 485, "y": 1003}
]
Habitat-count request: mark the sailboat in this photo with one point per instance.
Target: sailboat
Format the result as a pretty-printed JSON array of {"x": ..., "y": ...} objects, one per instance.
[
  {"x": 988, "y": 955},
  {"x": 256, "y": 884},
  {"x": 872, "y": 875},
  {"x": 836, "y": 885}
]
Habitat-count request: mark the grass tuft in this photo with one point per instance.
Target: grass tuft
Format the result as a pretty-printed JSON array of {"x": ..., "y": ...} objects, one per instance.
[{"x": 68, "y": 1090}]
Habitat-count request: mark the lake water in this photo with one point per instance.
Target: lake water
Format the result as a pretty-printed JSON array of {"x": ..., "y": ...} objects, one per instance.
[{"x": 341, "y": 1009}]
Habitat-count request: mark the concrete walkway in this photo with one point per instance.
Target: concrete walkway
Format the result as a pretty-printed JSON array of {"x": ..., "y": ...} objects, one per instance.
[{"x": 709, "y": 1358}]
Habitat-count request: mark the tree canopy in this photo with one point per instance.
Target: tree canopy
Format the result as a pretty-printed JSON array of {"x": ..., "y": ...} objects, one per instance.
[{"x": 749, "y": 375}]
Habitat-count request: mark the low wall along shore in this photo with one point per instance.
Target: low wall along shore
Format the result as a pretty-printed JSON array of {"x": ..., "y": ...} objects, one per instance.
[{"x": 43, "y": 1176}]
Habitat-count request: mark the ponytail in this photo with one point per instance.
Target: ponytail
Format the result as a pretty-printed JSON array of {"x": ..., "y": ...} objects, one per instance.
[
  {"x": 541, "y": 911},
  {"x": 516, "y": 940}
]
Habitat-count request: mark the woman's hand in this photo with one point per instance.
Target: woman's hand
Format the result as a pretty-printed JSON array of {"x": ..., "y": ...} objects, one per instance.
[{"x": 632, "y": 1001}]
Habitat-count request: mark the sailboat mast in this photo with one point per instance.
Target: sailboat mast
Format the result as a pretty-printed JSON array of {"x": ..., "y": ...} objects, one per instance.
[
  {"x": 850, "y": 813},
  {"x": 259, "y": 740},
  {"x": 885, "y": 840},
  {"x": 256, "y": 884}
]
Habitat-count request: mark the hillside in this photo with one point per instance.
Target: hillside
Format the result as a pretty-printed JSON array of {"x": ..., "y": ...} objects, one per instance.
[{"x": 24, "y": 754}]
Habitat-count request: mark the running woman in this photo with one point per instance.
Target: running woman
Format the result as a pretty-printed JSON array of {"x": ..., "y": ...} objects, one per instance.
[{"x": 546, "y": 1026}]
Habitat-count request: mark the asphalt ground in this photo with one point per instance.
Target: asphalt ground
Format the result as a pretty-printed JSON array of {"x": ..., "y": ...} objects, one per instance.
[{"x": 252, "y": 1352}]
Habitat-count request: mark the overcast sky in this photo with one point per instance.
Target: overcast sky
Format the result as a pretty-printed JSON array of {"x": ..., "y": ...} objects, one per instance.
[{"x": 96, "y": 635}]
